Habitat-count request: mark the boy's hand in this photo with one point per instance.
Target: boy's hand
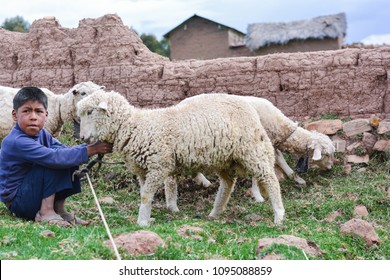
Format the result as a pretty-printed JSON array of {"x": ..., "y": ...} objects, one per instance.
[{"x": 99, "y": 148}]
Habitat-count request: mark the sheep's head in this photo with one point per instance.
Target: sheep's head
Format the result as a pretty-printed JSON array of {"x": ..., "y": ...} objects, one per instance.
[
  {"x": 100, "y": 116},
  {"x": 80, "y": 91},
  {"x": 85, "y": 88},
  {"x": 322, "y": 151}
]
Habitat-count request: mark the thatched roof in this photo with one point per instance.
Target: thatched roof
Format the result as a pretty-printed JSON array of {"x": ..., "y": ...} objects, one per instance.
[{"x": 264, "y": 34}]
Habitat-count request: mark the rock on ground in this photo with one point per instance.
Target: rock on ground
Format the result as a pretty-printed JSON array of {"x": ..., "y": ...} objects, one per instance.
[
  {"x": 364, "y": 229},
  {"x": 309, "y": 247},
  {"x": 140, "y": 242},
  {"x": 360, "y": 211}
]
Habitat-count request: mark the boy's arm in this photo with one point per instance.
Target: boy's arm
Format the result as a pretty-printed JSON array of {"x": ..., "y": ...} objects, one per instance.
[
  {"x": 32, "y": 151},
  {"x": 52, "y": 142},
  {"x": 92, "y": 149}
]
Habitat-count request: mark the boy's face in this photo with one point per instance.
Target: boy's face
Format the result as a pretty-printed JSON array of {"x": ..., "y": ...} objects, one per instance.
[{"x": 31, "y": 117}]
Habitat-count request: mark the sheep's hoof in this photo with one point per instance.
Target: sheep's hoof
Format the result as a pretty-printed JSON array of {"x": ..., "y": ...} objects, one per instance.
[
  {"x": 213, "y": 215},
  {"x": 174, "y": 209},
  {"x": 212, "y": 218},
  {"x": 278, "y": 221},
  {"x": 206, "y": 184},
  {"x": 300, "y": 181},
  {"x": 145, "y": 223},
  {"x": 259, "y": 199},
  {"x": 278, "y": 218},
  {"x": 256, "y": 193}
]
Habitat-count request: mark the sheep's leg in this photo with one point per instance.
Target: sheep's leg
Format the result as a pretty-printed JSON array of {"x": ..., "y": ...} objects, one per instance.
[
  {"x": 200, "y": 179},
  {"x": 281, "y": 162},
  {"x": 271, "y": 185},
  {"x": 261, "y": 166},
  {"x": 224, "y": 191},
  {"x": 148, "y": 189},
  {"x": 145, "y": 209},
  {"x": 171, "y": 194},
  {"x": 256, "y": 191},
  {"x": 171, "y": 190},
  {"x": 141, "y": 180}
]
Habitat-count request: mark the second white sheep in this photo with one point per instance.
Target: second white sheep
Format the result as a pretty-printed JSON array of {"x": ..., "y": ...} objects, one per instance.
[
  {"x": 61, "y": 107},
  {"x": 284, "y": 134}
]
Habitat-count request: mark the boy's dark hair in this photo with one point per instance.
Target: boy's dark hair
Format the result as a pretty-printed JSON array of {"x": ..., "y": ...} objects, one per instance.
[{"x": 29, "y": 94}]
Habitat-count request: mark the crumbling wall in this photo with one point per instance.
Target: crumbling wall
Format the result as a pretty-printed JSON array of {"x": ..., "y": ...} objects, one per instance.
[{"x": 348, "y": 82}]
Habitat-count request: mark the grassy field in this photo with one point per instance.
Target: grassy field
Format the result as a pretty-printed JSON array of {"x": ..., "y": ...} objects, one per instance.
[{"x": 234, "y": 236}]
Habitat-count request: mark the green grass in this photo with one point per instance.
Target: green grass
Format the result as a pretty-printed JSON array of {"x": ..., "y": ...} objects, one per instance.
[{"x": 233, "y": 236}]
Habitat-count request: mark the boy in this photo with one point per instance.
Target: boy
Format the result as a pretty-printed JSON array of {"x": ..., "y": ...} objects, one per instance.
[{"x": 35, "y": 168}]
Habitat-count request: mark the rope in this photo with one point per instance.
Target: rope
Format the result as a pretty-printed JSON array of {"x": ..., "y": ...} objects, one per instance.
[
  {"x": 85, "y": 170},
  {"x": 103, "y": 219}
]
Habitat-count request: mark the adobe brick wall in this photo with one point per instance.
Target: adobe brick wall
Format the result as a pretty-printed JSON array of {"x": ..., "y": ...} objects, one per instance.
[{"x": 348, "y": 82}]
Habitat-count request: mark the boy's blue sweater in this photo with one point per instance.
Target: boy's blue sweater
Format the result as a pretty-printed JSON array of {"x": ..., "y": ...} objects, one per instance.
[{"x": 19, "y": 152}]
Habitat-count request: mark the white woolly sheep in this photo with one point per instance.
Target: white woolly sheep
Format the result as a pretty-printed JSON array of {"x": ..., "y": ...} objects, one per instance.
[
  {"x": 61, "y": 107},
  {"x": 285, "y": 135},
  {"x": 221, "y": 134}
]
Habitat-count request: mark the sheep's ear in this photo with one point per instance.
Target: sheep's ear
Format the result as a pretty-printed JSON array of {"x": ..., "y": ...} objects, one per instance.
[
  {"x": 103, "y": 105},
  {"x": 317, "y": 154}
]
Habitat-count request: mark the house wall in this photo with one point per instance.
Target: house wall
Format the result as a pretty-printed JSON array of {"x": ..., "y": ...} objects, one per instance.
[{"x": 202, "y": 39}]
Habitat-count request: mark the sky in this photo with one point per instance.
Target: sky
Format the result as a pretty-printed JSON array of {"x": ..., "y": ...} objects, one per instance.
[{"x": 367, "y": 20}]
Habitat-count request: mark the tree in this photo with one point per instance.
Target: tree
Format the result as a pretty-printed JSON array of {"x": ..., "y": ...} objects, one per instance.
[
  {"x": 160, "y": 47},
  {"x": 17, "y": 24}
]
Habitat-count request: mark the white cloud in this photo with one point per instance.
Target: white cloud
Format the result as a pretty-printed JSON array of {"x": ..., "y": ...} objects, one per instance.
[{"x": 377, "y": 39}]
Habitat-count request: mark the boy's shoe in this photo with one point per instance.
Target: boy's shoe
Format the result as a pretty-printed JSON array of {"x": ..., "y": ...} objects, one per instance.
[
  {"x": 74, "y": 220},
  {"x": 53, "y": 219}
]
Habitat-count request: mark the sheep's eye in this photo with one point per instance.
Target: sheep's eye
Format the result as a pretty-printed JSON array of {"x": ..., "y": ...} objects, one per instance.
[
  {"x": 84, "y": 94},
  {"x": 89, "y": 112}
]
